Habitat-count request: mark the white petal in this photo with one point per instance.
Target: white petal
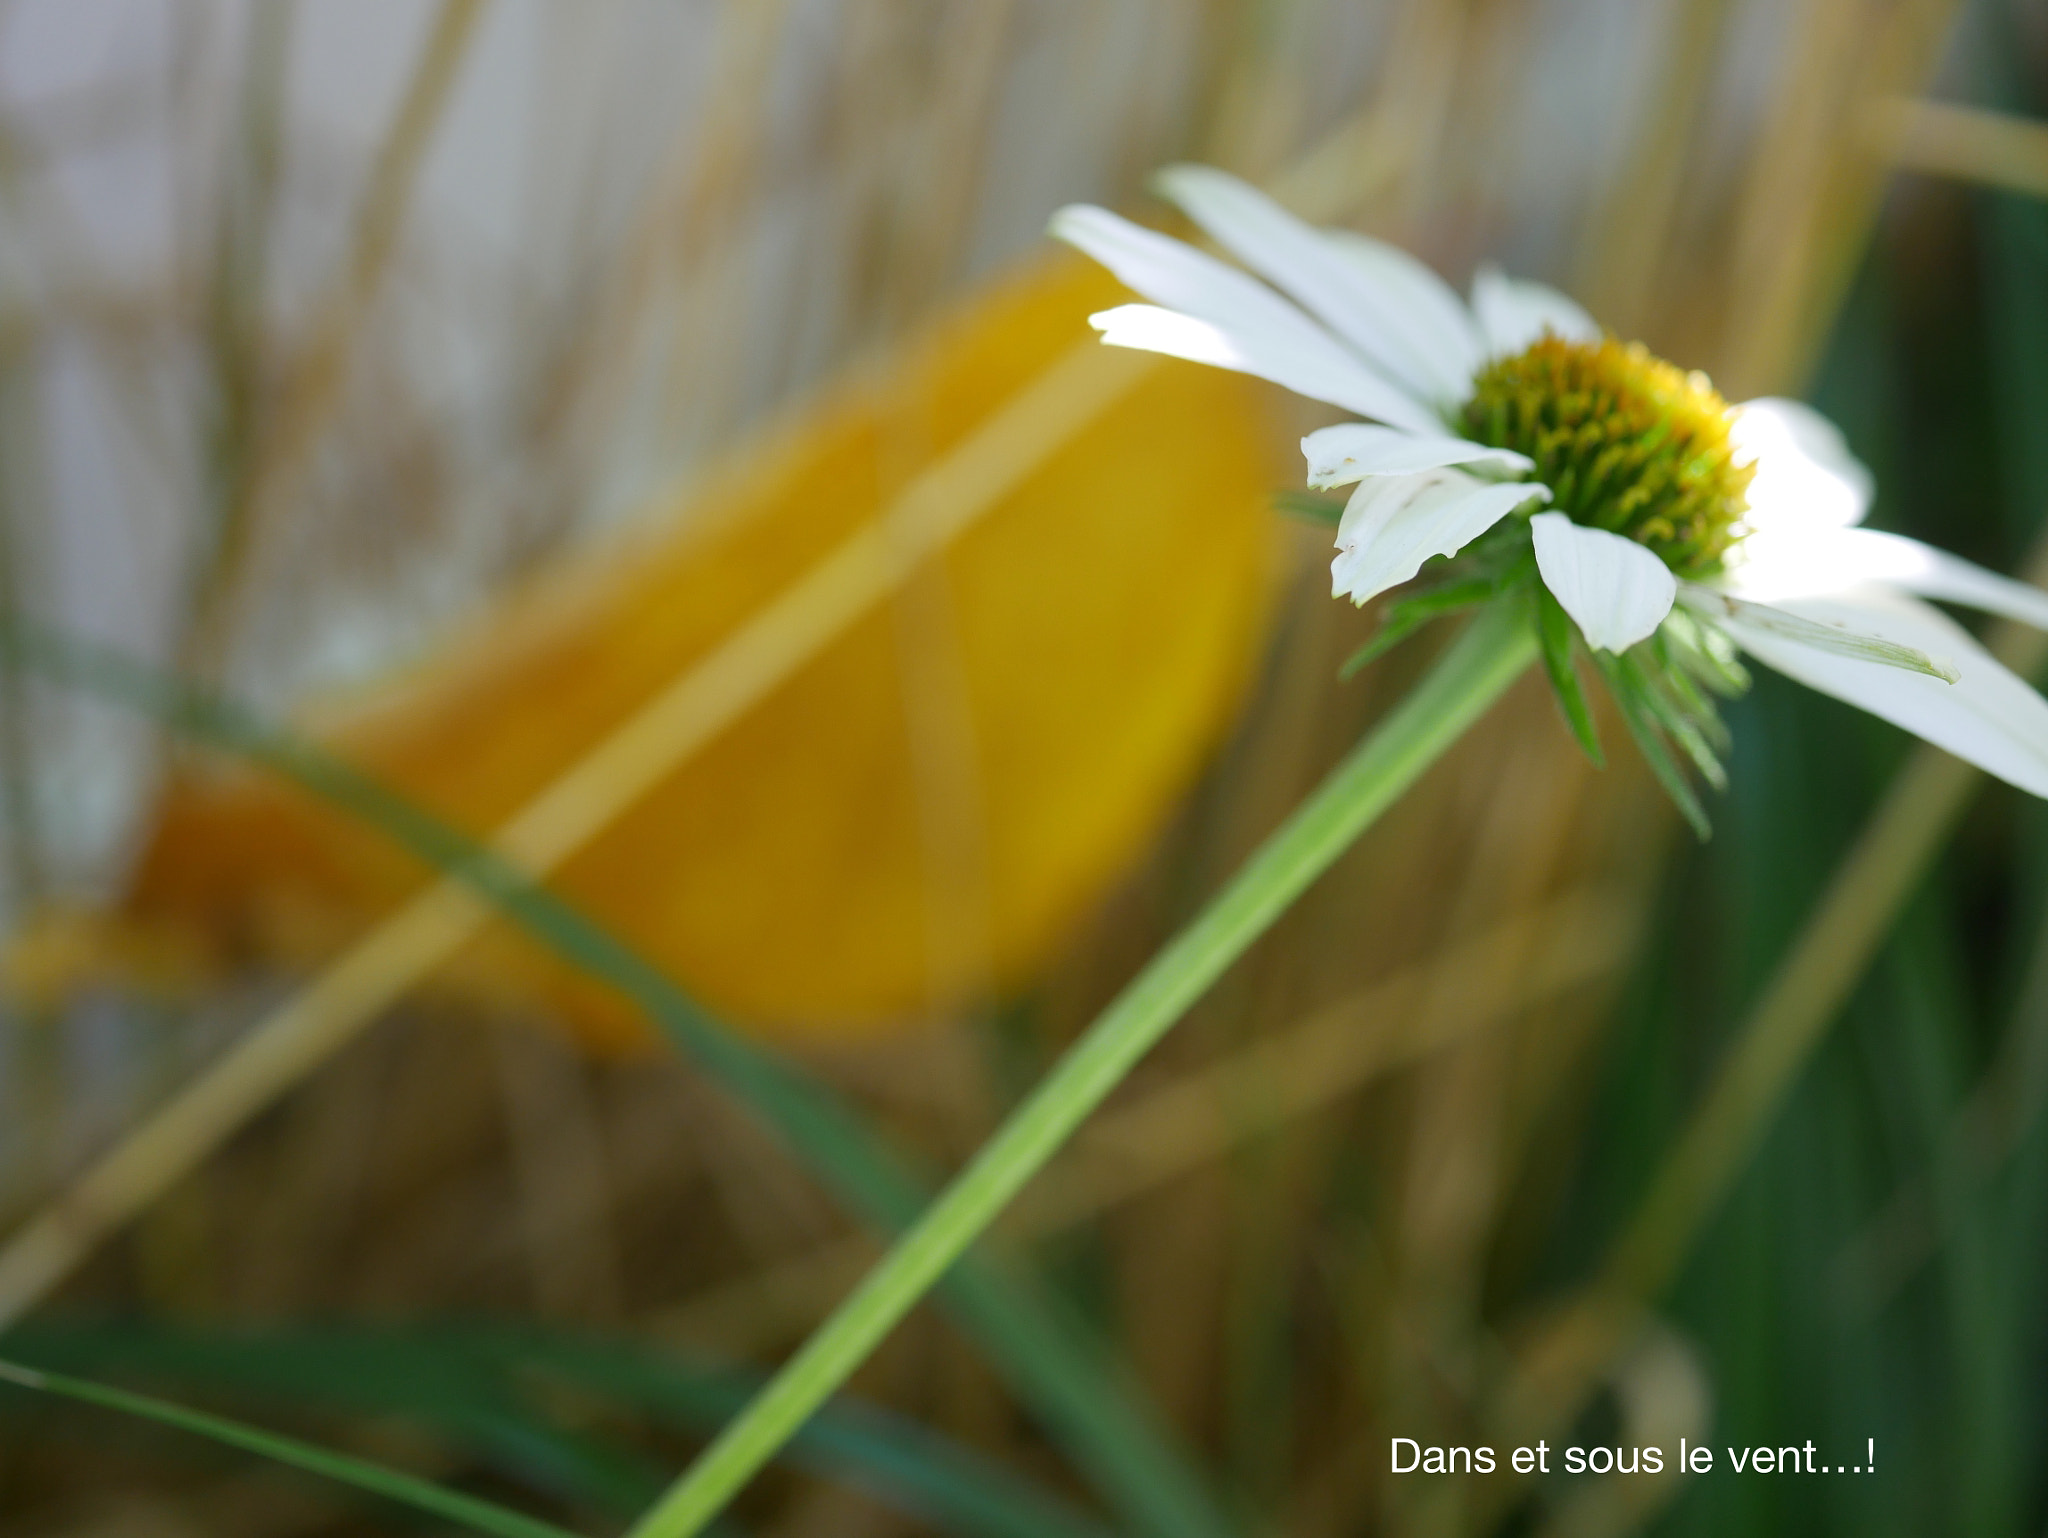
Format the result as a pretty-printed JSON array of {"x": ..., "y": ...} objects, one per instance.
[
  {"x": 1513, "y": 313},
  {"x": 1443, "y": 324},
  {"x": 1174, "y": 274},
  {"x": 1988, "y": 716},
  {"x": 1272, "y": 338},
  {"x": 1322, "y": 372},
  {"x": 1827, "y": 560},
  {"x": 1351, "y": 451},
  {"x": 1351, "y": 297},
  {"x": 1806, "y": 478},
  {"x": 1617, "y": 590},
  {"x": 1393, "y": 523}
]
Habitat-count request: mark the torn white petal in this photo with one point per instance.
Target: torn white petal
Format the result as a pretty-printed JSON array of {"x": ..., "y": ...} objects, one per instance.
[
  {"x": 1806, "y": 478},
  {"x": 1988, "y": 716},
  {"x": 1351, "y": 451},
  {"x": 1514, "y": 313},
  {"x": 1394, "y": 523},
  {"x": 1615, "y": 589}
]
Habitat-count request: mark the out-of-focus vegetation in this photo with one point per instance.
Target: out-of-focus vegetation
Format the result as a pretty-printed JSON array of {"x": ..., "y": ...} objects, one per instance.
[{"x": 365, "y": 373}]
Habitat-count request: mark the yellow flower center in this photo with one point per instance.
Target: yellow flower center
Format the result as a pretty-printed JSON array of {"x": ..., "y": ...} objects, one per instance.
[{"x": 1624, "y": 441}]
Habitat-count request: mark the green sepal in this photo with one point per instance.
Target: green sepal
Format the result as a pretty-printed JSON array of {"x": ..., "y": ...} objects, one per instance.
[
  {"x": 1681, "y": 728},
  {"x": 1554, "y": 634},
  {"x": 1310, "y": 506},
  {"x": 1706, "y": 655},
  {"x": 1411, "y": 614},
  {"x": 1644, "y": 730},
  {"x": 1685, "y": 693}
]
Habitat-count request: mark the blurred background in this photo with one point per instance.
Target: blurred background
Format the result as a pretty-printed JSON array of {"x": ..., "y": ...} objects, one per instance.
[{"x": 657, "y": 438}]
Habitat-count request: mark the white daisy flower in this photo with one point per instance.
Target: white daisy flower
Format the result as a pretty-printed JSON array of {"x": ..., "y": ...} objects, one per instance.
[{"x": 1517, "y": 435}]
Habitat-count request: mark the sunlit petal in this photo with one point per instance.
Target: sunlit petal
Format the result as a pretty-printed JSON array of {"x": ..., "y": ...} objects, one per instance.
[
  {"x": 1617, "y": 591},
  {"x": 1513, "y": 313},
  {"x": 1429, "y": 306},
  {"x": 1319, "y": 372},
  {"x": 1806, "y": 478},
  {"x": 1256, "y": 331},
  {"x": 1828, "y": 560},
  {"x": 1369, "y": 302},
  {"x": 1351, "y": 451}
]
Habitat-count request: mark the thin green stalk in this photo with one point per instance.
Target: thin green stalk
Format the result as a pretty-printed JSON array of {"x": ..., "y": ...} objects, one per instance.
[
  {"x": 1048, "y": 1356},
  {"x": 421, "y": 1494},
  {"x": 494, "y": 1391},
  {"x": 1485, "y": 659}
]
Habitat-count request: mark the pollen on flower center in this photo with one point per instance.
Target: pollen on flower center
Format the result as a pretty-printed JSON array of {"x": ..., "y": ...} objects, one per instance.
[{"x": 1625, "y": 441}]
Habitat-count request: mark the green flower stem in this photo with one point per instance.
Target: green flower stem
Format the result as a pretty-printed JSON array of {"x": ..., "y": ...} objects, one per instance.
[{"x": 1485, "y": 659}]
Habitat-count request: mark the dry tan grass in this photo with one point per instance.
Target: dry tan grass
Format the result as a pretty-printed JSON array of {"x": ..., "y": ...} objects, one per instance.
[{"x": 1313, "y": 1216}]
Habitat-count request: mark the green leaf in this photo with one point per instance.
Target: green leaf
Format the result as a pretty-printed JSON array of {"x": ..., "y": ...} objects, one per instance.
[
  {"x": 1555, "y": 634},
  {"x": 420, "y": 1494}
]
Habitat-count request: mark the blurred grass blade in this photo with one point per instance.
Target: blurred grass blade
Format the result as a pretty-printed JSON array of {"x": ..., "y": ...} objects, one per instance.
[
  {"x": 1806, "y": 993},
  {"x": 891, "y": 1457},
  {"x": 320, "y": 374},
  {"x": 420, "y": 1494},
  {"x": 1940, "y": 138},
  {"x": 1047, "y": 1357},
  {"x": 474, "y": 1384}
]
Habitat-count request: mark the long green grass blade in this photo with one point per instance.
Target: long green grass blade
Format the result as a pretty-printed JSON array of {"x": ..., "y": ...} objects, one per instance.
[
  {"x": 476, "y": 1383},
  {"x": 420, "y": 1494},
  {"x": 892, "y": 1457},
  {"x": 1047, "y": 1356}
]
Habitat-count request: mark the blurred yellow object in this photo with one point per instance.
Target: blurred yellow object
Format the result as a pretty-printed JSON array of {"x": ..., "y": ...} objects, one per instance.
[{"x": 919, "y": 813}]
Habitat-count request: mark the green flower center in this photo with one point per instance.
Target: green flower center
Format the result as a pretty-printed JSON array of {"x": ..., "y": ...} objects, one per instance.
[{"x": 1624, "y": 441}]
